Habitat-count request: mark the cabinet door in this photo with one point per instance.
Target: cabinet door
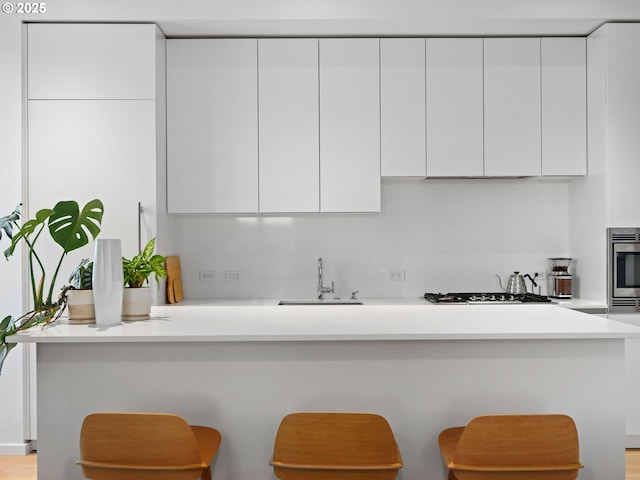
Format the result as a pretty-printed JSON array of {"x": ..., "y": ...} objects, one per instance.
[
  {"x": 455, "y": 135},
  {"x": 349, "y": 125},
  {"x": 512, "y": 107},
  {"x": 402, "y": 107},
  {"x": 85, "y": 149},
  {"x": 212, "y": 126},
  {"x": 289, "y": 125},
  {"x": 91, "y": 61},
  {"x": 564, "y": 106},
  {"x": 622, "y": 142}
]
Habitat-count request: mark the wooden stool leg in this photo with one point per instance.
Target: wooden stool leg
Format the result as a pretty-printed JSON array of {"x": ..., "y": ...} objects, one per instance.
[{"x": 206, "y": 474}]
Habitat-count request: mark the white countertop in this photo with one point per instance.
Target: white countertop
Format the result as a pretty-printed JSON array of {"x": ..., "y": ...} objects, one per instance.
[{"x": 265, "y": 321}]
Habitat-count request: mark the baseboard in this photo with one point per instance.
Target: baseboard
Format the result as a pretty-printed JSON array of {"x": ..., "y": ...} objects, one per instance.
[
  {"x": 16, "y": 449},
  {"x": 632, "y": 441}
]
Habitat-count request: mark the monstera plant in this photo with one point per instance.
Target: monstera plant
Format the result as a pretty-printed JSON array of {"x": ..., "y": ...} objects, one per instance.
[{"x": 70, "y": 228}]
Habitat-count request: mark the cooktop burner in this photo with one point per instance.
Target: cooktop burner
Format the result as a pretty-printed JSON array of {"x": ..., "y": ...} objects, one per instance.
[{"x": 501, "y": 297}]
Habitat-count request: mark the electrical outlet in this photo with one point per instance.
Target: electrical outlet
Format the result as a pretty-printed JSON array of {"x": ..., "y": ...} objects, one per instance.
[
  {"x": 207, "y": 276},
  {"x": 541, "y": 275},
  {"x": 396, "y": 275},
  {"x": 232, "y": 276}
]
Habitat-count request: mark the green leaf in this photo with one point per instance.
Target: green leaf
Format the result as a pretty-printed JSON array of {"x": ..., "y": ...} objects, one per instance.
[
  {"x": 27, "y": 229},
  {"x": 5, "y": 348},
  {"x": 7, "y": 223},
  {"x": 148, "y": 249},
  {"x": 70, "y": 228},
  {"x": 6, "y": 322},
  {"x": 80, "y": 278}
]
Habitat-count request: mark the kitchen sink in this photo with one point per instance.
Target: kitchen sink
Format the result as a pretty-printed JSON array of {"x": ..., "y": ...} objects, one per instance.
[{"x": 315, "y": 301}]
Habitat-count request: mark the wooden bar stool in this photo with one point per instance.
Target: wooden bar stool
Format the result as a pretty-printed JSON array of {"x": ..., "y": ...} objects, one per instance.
[
  {"x": 145, "y": 446},
  {"x": 335, "y": 446},
  {"x": 512, "y": 447}
]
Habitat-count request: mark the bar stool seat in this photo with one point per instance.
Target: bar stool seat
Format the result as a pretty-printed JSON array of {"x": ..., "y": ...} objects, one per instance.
[
  {"x": 512, "y": 447},
  {"x": 335, "y": 446},
  {"x": 145, "y": 446}
]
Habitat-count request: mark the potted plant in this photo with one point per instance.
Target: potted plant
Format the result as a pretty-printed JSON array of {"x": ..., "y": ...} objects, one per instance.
[
  {"x": 136, "y": 304},
  {"x": 80, "y": 294},
  {"x": 70, "y": 228}
]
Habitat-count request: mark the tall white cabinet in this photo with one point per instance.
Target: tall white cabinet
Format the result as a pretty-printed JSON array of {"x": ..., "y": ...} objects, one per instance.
[
  {"x": 614, "y": 118},
  {"x": 95, "y": 114},
  {"x": 349, "y": 125},
  {"x": 212, "y": 125},
  {"x": 288, "y": 138}
]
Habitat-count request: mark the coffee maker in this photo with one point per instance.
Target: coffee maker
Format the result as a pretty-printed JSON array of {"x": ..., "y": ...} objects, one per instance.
[{"x": 559, "y": 279}]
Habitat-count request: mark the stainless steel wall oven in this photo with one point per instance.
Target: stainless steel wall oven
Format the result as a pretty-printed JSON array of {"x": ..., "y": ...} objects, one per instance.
[{"x": 623, "y": 269}]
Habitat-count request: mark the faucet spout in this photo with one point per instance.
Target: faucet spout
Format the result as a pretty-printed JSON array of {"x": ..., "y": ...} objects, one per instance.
[{"x": 321, "y": 288}]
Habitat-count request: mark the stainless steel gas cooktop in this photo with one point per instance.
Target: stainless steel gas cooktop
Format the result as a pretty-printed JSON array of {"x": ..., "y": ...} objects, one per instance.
[{"x": 489, "y": 298}]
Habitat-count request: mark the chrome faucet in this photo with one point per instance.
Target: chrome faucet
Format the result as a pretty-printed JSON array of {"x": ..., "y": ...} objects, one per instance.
[{"x": 321, "y": 288}]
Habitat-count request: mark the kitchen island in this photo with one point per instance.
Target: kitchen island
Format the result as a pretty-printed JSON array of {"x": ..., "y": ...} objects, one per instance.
[{"x": 241, "y": 368}]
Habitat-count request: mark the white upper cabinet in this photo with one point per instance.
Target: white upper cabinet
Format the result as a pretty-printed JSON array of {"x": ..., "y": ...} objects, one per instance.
[
  {"x": 289, "y": 125},
  {"x": 614, "y": 118},
  {"x": 349, "y": 125},
  {"x": 512, "y": 107},
  {"x": 91, "y": 61},
  {"x": 564, "y": 106},
  {"x": 212, "y": 126},
  {"x": 402, "y": 107},
  {"x": 454, "y": 107}
]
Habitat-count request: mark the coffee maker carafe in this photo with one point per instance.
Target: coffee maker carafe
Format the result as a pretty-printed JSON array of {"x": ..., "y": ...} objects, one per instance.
[{"x": 560, "y": 280}]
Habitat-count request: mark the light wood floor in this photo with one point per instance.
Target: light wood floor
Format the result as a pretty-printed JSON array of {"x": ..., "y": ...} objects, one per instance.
[
  {"x": 633, "y": 465},
  {"x": 25, "y": 467},
  {"x": 18, "y": 468}
]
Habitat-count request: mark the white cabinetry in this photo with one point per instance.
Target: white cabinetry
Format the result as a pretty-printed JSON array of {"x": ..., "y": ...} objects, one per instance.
[
  {"x": 614, "y": 122},
  {"x": 454, "y": 107},
  {"x": 349, "y": 125},
  {"x": 91, "y": 61},
  {"x": 212, "y": 126},
  {"x": 564, "y": 106},
  {"x": 632, "y": 380},
  {"x": 512, "y": 107},
  {"x": 95, "y": 127},
  {"x": 289, "y": 174},
  {"x": 402, "y": 107}
]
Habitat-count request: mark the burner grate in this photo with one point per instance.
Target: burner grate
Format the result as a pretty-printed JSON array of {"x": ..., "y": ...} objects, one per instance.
[{"x": 485, "y": 297}]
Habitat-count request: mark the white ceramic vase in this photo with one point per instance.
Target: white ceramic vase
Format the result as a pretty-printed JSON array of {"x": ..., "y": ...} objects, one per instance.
[{"x": 108, "y": 281}]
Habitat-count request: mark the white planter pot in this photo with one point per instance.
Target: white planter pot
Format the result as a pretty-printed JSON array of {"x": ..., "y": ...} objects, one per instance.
[
  {"x": 136, "y": 303},
  {"x": 80, "y": 306}
]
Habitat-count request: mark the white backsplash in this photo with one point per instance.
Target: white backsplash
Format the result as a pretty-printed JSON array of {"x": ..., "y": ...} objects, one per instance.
[{"x": 447, "y": 235}]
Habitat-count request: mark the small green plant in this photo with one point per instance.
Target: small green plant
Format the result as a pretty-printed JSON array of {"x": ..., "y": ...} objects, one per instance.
[
  {"x": 82, "y": 277},
  {"x": 139, "y": 268},
  {"x": 71, "y": 229}
]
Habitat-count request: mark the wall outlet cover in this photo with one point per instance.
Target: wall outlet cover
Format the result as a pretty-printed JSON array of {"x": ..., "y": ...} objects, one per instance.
[{"x": 207, "y": 276}]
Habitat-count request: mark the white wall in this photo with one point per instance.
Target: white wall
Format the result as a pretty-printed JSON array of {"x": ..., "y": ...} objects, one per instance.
[{"x": 448, "y": 235}]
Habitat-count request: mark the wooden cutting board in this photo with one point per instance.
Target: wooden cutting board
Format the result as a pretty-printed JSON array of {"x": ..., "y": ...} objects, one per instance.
[{"x": 174, "y": 280}]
